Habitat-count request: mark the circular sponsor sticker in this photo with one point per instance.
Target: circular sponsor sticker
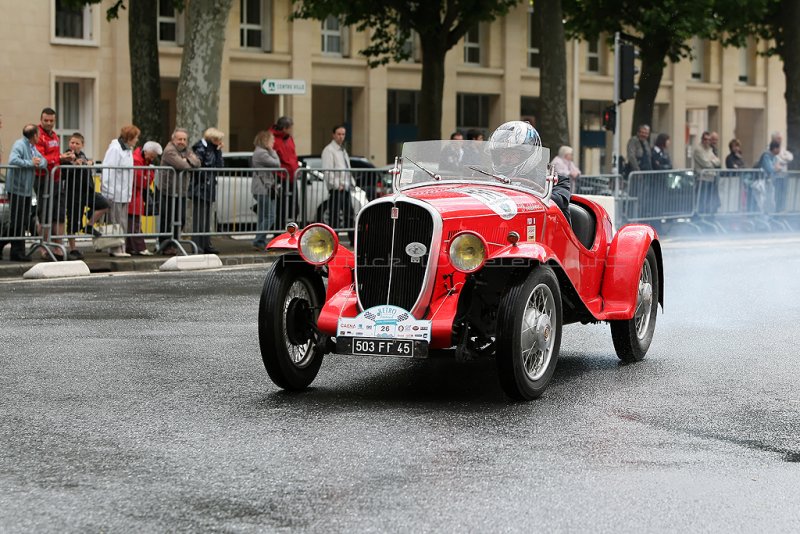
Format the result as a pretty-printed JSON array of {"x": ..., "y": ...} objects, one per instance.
[{"x": 416, "y": 250}]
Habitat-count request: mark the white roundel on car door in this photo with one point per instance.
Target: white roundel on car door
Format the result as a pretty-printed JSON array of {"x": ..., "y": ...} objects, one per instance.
[{"x": 500, "y": 203}]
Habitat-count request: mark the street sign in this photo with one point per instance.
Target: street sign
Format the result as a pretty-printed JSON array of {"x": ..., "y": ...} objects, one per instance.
[{"x": 283, "y": 87}]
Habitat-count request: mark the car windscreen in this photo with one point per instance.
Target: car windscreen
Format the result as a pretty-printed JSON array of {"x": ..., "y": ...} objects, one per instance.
[{"x": 441, "y": 161}]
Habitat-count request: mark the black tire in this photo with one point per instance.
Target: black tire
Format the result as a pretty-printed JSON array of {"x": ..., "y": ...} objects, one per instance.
[
  {"x": 286, "y": 321},
  {"x": 632, "y": 337},
  {"x": 525, "y": 376}
]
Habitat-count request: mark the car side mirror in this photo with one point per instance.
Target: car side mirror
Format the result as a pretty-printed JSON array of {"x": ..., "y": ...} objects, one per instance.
[{"x": 550, "y": 181}]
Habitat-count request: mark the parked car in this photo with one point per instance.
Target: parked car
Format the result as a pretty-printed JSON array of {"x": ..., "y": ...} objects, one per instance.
[
  {"x": 471, "y": 262},
  {"x": 375, "y": 184},
  {"x": 234, "y": 201}
]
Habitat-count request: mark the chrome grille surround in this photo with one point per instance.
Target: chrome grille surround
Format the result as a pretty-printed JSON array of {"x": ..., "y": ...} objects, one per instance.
[{"x": 426, "y": 289}]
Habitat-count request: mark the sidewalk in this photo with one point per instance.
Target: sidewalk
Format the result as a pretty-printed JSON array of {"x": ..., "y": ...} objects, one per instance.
[{"x": 231, "y": 252}]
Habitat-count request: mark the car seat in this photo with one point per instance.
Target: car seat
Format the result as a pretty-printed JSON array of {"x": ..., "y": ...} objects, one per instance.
[{"x": 583, "y": 224}]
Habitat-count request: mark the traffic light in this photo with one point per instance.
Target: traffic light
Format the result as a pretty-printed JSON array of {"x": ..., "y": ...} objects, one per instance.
[
  {"x": 610, "y": 118},
  {"x": 627, "y": 71}
]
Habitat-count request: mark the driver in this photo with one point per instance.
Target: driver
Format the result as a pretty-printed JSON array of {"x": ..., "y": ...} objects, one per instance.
[{"x": 516, "y": 150}]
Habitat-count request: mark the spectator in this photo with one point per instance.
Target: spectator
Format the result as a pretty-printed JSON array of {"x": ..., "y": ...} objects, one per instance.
[
  {"x": 638, "y": 150},
  {"x": 473, "y": 134},
  {"x": 763, "y": 187},
  {"x": 77, "y": 181},
  {"x": 49, "y": 147},
  {"x": 734, "y": 160},
  {"x": 661, "y": 158},
  {"x": 565, "y": 166},
  {"x": 172, "y": 187},
  {"x": 203, "y": 188},
  {"x": 264, "y": 187},
  {"x": 714, "y": 141},
  {"x": 453, "y": 153},
  {"x": 116, "y": 184},
  {"x": 334, "y": 156},
  {"x": 704, "y": 164},
  {"x": 142, "y": 180},
  {"x": 779, "y": 181},
  {"x": 284, "y": 146},
  {"x": 19, "y": 187}
]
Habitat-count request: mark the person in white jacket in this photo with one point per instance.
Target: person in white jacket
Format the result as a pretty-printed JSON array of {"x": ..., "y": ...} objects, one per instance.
[
  {"x": 334, "y": 156},
  {"x": 117, "y": 182}
]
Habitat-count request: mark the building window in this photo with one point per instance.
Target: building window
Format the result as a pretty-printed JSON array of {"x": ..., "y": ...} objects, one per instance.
[
  {"x": 73, "y": 105},
  {"x": 472, "y": 111},
  {"x": 412, "y": 48},
  {"x": 534, "y": 39},
  {"x": 402, "y": 107},
  {"x": 593, "y": 56},
  {"x": 170, "y": 24},
  {"x": 334, "y": 37},
  {"x": 255, "y": 19},
  {"x": 73, "y": 23},
  {"x": 746, "y": 62},
  {"x": 698, "y": 59},
  {"x": 472, "y": 46}
]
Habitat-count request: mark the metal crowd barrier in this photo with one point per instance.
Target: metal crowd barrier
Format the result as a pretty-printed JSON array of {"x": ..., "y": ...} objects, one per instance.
[
  {"x": 322, "y": 200},
  {"x": 18, "y": 221},
  {"x": 718, "y": 199},
  {"x": 116, "y": 207}
]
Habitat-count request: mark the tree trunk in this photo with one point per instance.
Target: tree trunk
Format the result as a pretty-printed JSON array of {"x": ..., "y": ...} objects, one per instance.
[
  {"x": 653, "y": 53},
  {"x": 201, "y": 65},
  {"x": 145, "y": 74},
  {"x": 790, "y": 53},
  {"x": 552, "y": 122},
  {"x": 432, "y": 89}
]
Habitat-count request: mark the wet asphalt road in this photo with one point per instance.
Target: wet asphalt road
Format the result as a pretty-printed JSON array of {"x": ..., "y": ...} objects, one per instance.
[{"x": 139, "y": 403}]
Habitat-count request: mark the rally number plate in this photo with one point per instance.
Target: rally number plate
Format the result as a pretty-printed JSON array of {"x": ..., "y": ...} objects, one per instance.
[{"x": 400, "y": 348}]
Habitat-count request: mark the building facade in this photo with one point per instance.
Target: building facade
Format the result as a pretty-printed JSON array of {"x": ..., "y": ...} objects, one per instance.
[{"x": 77, "y": 62}]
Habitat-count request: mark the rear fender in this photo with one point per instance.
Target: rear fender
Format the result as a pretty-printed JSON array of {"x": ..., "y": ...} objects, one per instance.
[{"x": 623, "y": 266}]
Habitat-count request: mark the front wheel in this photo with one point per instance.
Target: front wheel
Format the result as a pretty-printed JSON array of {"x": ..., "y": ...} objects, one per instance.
[
  {"x": 291, "y": 346},
  {"x": 632, "y": 337},
  {"x": 529, "y": 334}
]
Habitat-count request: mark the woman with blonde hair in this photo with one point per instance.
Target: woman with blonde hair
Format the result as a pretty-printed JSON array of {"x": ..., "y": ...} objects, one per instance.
[
  {"x": 264, "y": 187},
  {"x": 203, "y": 188}
]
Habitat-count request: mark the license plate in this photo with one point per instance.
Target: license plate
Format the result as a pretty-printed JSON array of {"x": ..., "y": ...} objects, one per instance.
[{"x": 401, "y": 348}]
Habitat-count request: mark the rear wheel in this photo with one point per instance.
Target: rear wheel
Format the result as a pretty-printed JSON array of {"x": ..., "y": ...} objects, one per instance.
[
  {"x": 291, "y": 346},
  {"x": 632, "y": 337},
  {"x": 529, "y": 334}
]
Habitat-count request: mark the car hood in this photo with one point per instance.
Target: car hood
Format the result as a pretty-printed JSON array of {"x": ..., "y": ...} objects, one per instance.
[{"x": 474, "y": 200}]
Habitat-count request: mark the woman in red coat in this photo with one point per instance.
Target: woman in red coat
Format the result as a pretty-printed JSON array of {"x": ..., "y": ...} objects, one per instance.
[{"x": 142, "y": 180}]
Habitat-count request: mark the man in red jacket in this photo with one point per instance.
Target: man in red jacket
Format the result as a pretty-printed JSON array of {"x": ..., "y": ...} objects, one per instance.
[
  {"x": 284, "y": 146},
  {"x": 49, "y": 147}
]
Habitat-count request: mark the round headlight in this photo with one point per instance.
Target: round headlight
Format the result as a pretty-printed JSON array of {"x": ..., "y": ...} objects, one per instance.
[
  {"x": 467, "y": 252},
  {"x": 318, "y": 244}
]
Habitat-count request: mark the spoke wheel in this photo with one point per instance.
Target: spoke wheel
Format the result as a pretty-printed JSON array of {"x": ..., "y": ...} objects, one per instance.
[
  {"x": 290, "y": 343},
  {"x": 529, "y": 333},
  {"x": 632, "y": 337}
]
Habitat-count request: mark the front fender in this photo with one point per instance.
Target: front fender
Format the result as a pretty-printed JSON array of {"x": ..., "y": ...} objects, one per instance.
[
  {"x": 623, "y": 266},
  {"x": 340, "y": 268}
]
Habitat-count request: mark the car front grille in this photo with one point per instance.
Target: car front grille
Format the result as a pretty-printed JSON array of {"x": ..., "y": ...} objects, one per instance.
[{"x": 385, "y": 272}]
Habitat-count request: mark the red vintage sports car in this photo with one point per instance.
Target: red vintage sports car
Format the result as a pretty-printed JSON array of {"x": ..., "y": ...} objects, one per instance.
[{"x": 471, "y": 257}]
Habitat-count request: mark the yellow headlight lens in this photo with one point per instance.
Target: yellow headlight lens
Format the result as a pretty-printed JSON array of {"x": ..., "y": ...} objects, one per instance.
[
  {"x": 467, "y": 252},
  {"x": 317, "y": 244}
]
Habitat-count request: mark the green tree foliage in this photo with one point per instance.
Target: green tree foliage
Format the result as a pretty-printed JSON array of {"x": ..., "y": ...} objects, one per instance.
[
  {"x": 663, "y": 30},
  {"x": 778, "y": 23},
  {"x": 440, "y": 25}
]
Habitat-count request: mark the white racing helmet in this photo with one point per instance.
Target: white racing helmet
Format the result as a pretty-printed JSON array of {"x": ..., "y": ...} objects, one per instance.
[{"x": 515, "y": 148}]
